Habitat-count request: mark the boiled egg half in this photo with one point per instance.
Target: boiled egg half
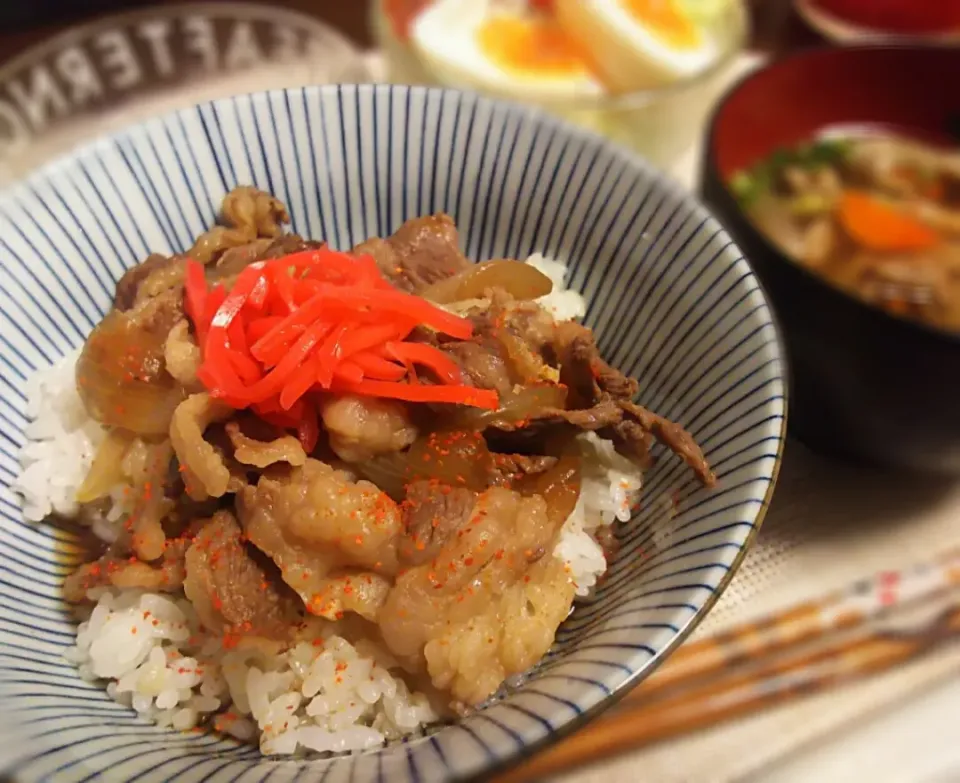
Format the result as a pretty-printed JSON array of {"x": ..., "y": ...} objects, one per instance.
[
  {"x": 502, "y": 47},
  {"x": 637, "y": 44}
]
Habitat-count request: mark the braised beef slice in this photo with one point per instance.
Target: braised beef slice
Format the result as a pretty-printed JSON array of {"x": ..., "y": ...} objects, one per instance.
[
  {"x": 423, "y": 251},
  {"x": 232, "y": 587},
  {"x": 431, "y": 516},
  {"x": 592, "y": 381},
  {"x": 584, "y": 371},
  {"x": 119, "y": 568},
  {"x": 482, "y": 363},
  {"x": 486, "y": 359},
  {"x": 671, "y": 435},
  {"x": 230, "y": 263},
  {"x": 630, "y": 439},
  {"x": 129, "y": 284},
  {"x": 287, "y": 244},
  {"x": 528, "y": 320},
  {"x": 601, "y": 415},
  {"x": 513, "y": 467},
  {"x": 235, "y": 259}
]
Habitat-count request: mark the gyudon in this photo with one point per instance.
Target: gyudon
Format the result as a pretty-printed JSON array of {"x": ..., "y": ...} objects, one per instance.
[{"x": 339, "y": 492}]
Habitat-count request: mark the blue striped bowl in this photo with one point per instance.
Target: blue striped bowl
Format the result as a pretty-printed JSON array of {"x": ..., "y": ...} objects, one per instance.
[{"x": 670, "y": 297}]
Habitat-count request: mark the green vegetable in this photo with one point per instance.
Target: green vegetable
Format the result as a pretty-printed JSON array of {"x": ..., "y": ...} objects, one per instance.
[
  {"x": 748, "y": 184},
  {"x": 823, "y": 152},
  {"x": 810, "y": 204}
]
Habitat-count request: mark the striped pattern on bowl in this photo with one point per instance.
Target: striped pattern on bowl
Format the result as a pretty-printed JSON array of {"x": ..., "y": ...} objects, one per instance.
[{"x": 669, "y": 295}]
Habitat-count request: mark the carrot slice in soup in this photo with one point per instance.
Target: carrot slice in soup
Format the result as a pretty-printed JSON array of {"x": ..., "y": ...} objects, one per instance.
[{"x": 879, "y": 226}]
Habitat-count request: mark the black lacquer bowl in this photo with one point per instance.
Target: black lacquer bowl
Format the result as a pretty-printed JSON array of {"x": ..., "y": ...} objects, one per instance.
[{"x": 866, "y": 384}]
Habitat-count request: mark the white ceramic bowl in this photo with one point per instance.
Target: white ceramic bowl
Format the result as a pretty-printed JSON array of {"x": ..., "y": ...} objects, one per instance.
[{"x": 670, "y": 297}]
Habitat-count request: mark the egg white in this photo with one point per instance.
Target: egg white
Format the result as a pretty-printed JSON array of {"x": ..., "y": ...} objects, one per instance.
[
  {"x": 627, "y": 54},
  {"x": 446, "y": 38}
]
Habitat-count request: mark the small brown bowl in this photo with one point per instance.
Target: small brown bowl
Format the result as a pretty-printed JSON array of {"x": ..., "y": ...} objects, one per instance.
[{"x": 866, "y": 384}]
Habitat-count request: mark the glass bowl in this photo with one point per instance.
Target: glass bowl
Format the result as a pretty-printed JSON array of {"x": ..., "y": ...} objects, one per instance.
[{"x": 661, "y": 124}]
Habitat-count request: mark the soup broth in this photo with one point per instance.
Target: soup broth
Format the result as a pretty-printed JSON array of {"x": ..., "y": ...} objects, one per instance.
[{"x": 877, "y": 215}]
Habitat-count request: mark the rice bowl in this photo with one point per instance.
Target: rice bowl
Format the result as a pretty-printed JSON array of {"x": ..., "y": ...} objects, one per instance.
[
  {"x": 722, "y": 377},
  {"x": 322, "y": 695}
]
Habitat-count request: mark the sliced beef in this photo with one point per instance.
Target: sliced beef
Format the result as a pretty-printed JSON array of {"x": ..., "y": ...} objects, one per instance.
[
  {"x": 506, "y": 347},
  {"x": 631, "y": 440},
  {"x": 320, "y": 528},
  {"x": 631, "y": 427},
  {"x": 129, "y": 285},
  {"x": 205, "y": 471},
  {"x": 232, "y": 589},
  {"x": 480, "y": 610},
  {"x": 528, "y": 435},
  {"x": 255, "y": 211},
  {"x": 161, "y": 273},
  {"x": 235, "y": 259},
  {"x": 515, "y": 467},
  {"x": 671, "y": 435},
  {"x": 423, "y": 251},
  {"x": 483, "y": 364},
  {"x": 614, "y": 382},
  {"x": 361, "y": 428},
  {"x": 584, "y": 371},
  {"x": 527, "y": 320},
  {"x": 432, "y": 514},
  {"x": 246, "y": 215},
  {"x": 118, "y": 569},
  {"x": 594, "y": 382},
  {"x": 601, "y": 415}
]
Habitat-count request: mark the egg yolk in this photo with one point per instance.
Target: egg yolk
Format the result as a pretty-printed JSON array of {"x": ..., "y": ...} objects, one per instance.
[
  {"x": 665, "y": 20},
  {"x": 537, "y": 46}
]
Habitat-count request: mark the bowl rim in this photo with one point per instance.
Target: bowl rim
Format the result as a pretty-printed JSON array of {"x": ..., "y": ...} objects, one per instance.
[
  {"x": 847, "y": 33},
  {"x": 712, "y": 172},
  {"x": 636, "y": 99},
  {"x": 517, "y": 754}
]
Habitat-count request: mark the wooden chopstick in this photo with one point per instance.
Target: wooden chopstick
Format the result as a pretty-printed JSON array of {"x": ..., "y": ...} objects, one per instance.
[
  {"x": 858, "y": 604},
  {"x": 727, "y": 697}
]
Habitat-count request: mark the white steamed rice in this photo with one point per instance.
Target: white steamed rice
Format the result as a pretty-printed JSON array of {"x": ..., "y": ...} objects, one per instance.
[{"x": 323, "y": 694}]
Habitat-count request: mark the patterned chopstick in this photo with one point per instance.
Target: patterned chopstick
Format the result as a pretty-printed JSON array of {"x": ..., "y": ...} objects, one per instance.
[
  {"x": 858, "y": 604},
  {"x": 803, "y": 673}
]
